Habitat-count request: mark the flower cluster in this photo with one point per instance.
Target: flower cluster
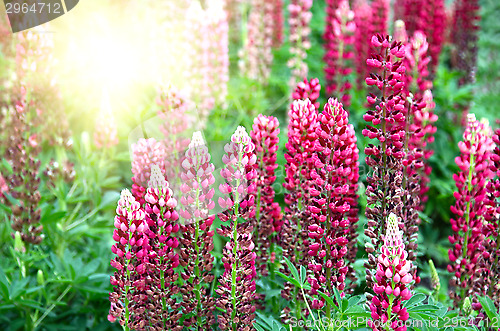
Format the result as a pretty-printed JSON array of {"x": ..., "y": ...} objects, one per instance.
[
  {"x": 208, "y": 59},
  {"x": 492, "y": 216},
  {"x": 379, "y": 17},
  {"x": 392, "y": 280},
  {"x": 130, "y": 250},
  {"x": 145, "y": 153},
  {"x": 428, "y": 17},
  {"x": 329, "y": 206},
  {"x": 176, "y": 121},
  {"x": 416, "y": 62},
  {"x": 237, "y": 284},
  {"x": 469, "y": 230},
  {"x": 268, "y": 216},
  {"x": 464, "y": 37},
  {"x": 384, "y": 191},
  {"x": 144, "y": 283},
  {"x": 277, "y": 19},
  {"x": 300, "y": 17},
  {"x": 363, "y": 32},
  {"x": 302, "y": 127},
  {"x": 308, "y": 90},
  {"x": 339, "y": 46},
  {"x": 259, "y": 42},
  {"x": 197, "y": 237},
  {"x": 22, "y": 180}
]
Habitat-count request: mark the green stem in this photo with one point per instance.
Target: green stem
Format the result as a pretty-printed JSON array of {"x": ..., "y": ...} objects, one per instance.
[
  {"x": 197, "y": 270},
  {"x": 235, "y": 239}
]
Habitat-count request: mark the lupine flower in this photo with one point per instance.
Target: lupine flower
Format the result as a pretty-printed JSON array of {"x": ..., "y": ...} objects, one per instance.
[
  {"x": 145, "y": 153},
  {"x": 105, "y": 131},
  {"x": 465, "y": 35},
  {"x": 258, "y": 56},
  {"x": 268, "y": 216},
  {"x": 352, "y": 199},
  {"x": 277, "y": 23},
  {"x": 176, "y": 121},
  {"x": 333, "y": 160},
  {"x": 23, "y": 180},
  {"x": 308, "y": 90},
  {"x": 339, "y": 46},
  {"x": 130, "y": 250},
  {"x": 237, "y": 284},
  {"x": 162, "y": 258},
  {"x": 392, "y": 281},
  {"x": 428, "y": 17},
  {"x": 468, "y": 245},
  {"x": 492, "y": 216},
  {"x": 363, "y": 32},
  {"x": 197, "y": 237},
  {"x": 208, "y": 60},
  {"x": 384, "y": 192},
  {"x": 380, "y": 17},
  {"x": 302, "y": 134},
  {"x": 416, "y": 62},
  {"x": 300, "y": 17},
  {"x": 4, "y": 188}
]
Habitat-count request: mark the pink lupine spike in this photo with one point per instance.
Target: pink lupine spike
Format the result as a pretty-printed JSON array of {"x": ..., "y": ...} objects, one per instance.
[
  {"x": 196, "y": 243},
  {"x": 339, "y": 43},
  {"x": 391, "y": 286},
  {"x": 299, "y": 19},
  {"x": 469, "y": 229},
  {"x": 268, "y": 219},
  {"x": 332, "y": 205},
  {"x": 385, "y": 157},
  {"x": 236, "y": 288}
]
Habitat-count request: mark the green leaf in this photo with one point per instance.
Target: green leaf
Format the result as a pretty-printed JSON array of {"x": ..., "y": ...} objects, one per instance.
[
  {"x": 415, "y": 299},
  {"x": 288, "y": 279},
  {"x": 292, "y": 269},
  {"x": 329, "y": 301}
]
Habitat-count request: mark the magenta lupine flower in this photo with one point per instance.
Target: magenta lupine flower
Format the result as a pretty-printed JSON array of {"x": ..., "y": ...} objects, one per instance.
[
  {"x": 392, "y": 281},
  {"x": 339, "y": 45},
  {"x": 237, "y": 284},
  {"x": 278, "y": 20},
  {"x": 470, "y": 209},
  {"x": 258, "y": 56},
  {"x": 264, "y": 134},
  {"x": 329, "y": 206},
  {"x": 162, "y": 258},
  {"x": 363, "y": 32},
  {"x": 299, "y": 19},
  {"x": 130, "y": 250},
  {"x": 416, "y": 62},
  {"x": 352, "y": 198},
  {"x": 300, "y": 148},
  {"x": 197, "y": 237},
  {"x": 145, "y": 153},
  {"x": 423, "y": 120},
  {"x": 308, "y": 90},
  {"x": 380, "y": 17},
  {"x": 492, "y": 216},
  {"x": 384, "y": 191}
]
